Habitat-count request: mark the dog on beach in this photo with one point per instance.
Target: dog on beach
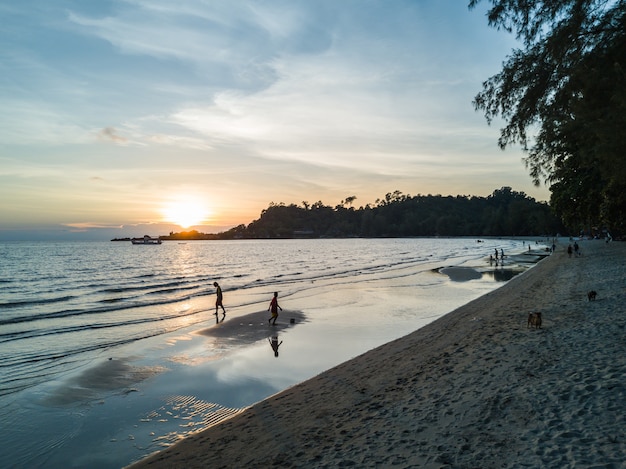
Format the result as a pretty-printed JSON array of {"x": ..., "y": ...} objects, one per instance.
[
  {"x": 534, "y": 320},
  {"x": 591, "y": 296}
]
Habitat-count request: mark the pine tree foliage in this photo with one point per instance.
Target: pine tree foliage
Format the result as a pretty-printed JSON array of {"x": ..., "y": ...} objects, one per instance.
[{"x": 563, "y": 98}]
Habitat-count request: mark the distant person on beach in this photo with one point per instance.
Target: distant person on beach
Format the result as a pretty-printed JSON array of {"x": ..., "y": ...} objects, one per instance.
[
  {"x": 275, "y": 344},
  {"x": 502, "y": 254},
  {"x": 576, "y": 247},
  {"x": 569, "y": 250},
  {"x": 274, "y": 307},
  {"x": 218, "y": 301},
  {"x": 496, "y": 251}
]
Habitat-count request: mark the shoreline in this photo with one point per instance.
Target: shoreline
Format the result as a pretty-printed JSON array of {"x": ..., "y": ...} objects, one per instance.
[{"x": 475, "y": 388}]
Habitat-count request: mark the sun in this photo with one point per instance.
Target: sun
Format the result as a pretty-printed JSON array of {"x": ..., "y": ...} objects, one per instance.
[{"x": 185, "y": 211}]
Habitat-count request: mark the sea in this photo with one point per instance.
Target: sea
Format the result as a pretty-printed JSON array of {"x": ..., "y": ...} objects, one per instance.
[{"x": 111, "y": 351}]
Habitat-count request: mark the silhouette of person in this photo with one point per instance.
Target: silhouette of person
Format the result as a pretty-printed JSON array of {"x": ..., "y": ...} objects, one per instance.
[
  {"x": 218, "y": 301},
  {"x": 496, "y": 251},
  {"x": 274, "y": 307},
  {"x": 275, "y": 344}
]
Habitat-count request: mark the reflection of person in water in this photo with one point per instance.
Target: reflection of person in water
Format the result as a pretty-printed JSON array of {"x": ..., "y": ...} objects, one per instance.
[
  {"x": 274, "y": 306},
  {"x": 275, "y": 344}
]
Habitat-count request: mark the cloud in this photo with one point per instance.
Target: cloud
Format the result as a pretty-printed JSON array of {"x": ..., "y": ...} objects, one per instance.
[
  {"x": 180, "y": 141},
  {"x": 109, "y": 134},
  {"x": 225, "y": 37},
  {"x": 336, "y": 83},
  {"x": 332, "y": 112},
  {"x": 23, "y": 121},
  {"x": 86, "y": 226}
]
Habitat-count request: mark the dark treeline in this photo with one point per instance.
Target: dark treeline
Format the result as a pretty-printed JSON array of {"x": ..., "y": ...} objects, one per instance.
[{"x": 503, "y": 213}]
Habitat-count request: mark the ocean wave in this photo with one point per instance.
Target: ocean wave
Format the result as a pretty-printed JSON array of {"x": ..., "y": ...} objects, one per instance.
[
  {"x": 30, "y": 334},
  {"x": 34, "y": 302},
  {"x": 89, "y": 311},
  {"x": 24, "y": 374}
]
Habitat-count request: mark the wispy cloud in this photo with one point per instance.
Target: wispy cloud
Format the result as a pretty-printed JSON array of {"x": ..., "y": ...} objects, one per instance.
[
  {"x": 86, "y": 226},
  {"x": 227, "y": 38},
  {"x": 110, "y": 134}
]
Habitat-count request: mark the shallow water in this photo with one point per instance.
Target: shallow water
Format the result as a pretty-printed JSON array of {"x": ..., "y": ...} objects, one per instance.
[{"x": 101, "y": 362}]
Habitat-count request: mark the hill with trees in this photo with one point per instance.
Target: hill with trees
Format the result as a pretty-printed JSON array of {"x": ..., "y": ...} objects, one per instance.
[{"x": 504, "y": 213}]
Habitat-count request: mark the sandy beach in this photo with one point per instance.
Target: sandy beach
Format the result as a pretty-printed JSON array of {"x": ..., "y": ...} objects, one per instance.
[{"x": 476, "y": 388}]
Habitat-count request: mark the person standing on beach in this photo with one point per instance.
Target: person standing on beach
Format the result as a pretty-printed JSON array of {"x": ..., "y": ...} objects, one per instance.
[
  {"x": 496, "y": 251},
  {"x": 274, "y": 307},
  {"x": 218, "y": 301}
]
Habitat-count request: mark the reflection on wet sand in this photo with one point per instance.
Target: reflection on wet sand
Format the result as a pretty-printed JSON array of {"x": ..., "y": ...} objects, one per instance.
[
  {"x": 461, "y": 274},
  {"x": 503, "y": 275},
  {"x": 110, "y": 376},
  {"x": 252, "y": 327},
  {"x": 275, "y": 344}
]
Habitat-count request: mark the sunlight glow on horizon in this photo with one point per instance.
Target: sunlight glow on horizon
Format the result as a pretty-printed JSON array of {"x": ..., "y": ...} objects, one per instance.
[{"x": 186, "y": 211}]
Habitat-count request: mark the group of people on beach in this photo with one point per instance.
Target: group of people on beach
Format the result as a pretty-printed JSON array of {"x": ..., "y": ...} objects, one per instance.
[
  {"x": 273, "y": 307},
  {"x": 491, "y": 256},
  {"x": 575, "y": 249}
]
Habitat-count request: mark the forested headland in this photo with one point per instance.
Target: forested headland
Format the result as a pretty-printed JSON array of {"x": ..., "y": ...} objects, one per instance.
[{"x": 504, "y": 213}]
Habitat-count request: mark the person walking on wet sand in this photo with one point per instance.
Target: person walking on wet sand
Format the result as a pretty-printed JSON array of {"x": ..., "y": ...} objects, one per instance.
[
  {"x": 274, "y": 307},
  {"x": 218, "y": 301}
]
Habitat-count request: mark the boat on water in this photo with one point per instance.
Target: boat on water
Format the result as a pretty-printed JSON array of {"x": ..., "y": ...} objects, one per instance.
[{"x": 146, "y": 240}]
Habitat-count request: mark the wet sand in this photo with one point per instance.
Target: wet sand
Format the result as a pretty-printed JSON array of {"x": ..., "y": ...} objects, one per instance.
[
  {"x": 476, "y": 388},
  {"x": 253, "y": 327}
]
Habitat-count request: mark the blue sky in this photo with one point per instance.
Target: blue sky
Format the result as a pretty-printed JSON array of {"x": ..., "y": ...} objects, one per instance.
[{"x": 118, "y": 116}]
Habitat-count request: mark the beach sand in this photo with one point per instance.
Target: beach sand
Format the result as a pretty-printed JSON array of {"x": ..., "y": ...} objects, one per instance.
[{"x": 476, "y": 388}]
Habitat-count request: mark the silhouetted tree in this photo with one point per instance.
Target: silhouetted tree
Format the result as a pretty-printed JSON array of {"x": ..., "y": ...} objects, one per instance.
[{"x": 568, "y": 86}]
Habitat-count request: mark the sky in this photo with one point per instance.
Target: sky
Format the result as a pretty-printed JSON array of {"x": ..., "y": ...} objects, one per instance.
[{"x": 130, "y": 117}]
